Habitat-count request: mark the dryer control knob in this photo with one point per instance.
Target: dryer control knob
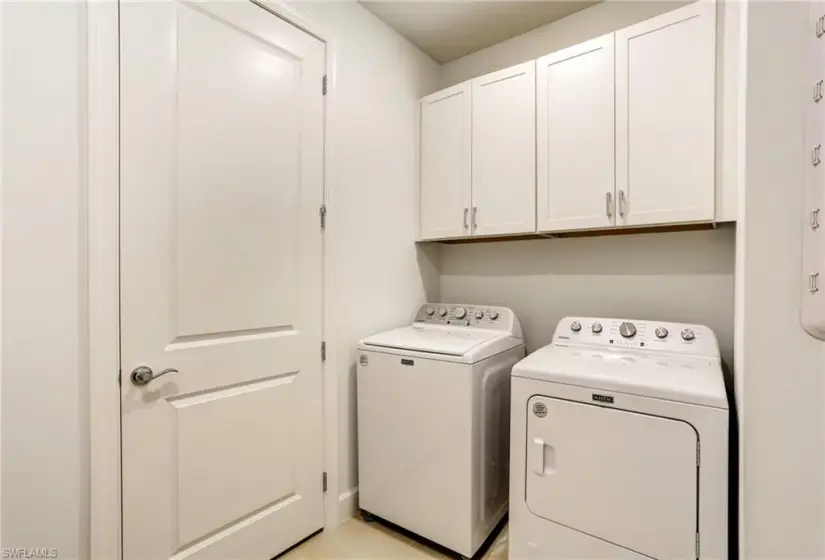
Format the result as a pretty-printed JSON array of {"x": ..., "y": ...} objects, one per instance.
[
  {"x": 479, "y": 314},
  {"x": 430, "y": 311},
  {"x": 596, "y": 328},
  {"x": 575, "y": 326},
  {"x": 493, "y": 315},
  {"x": 661, "y": 332},
  {"x": 627, "y": 329},
  {"x": 442, "y": 312},
  {"x": 460, "y": 312},
  {"x": 688, "y": 334}
]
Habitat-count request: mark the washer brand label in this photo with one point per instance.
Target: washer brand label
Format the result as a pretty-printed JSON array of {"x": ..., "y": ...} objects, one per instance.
[
  {"x": 603, "y": 398},
  {"x": 406, "y": 362},
  {"x": 540, "y": 409},
  {"x": 364, "y": 360}
]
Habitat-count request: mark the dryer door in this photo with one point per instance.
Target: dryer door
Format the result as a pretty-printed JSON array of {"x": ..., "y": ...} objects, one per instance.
[{"x": 627, "y": 478}]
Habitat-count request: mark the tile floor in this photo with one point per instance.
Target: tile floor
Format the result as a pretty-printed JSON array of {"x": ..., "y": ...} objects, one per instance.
[{"x": 355, "y": 539}]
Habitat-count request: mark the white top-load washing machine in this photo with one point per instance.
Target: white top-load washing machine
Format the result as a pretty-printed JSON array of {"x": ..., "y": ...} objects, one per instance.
[
  {"x": 433, "y": 422},
  {"x": 619, "y": 444}
]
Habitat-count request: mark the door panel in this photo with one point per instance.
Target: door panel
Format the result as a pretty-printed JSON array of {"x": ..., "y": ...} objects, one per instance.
[
  {"x": 445, "y": 163},
  {"x": 665, "y": 117},
  {"x": 626, "y": 478},
  {"x": 221, "y": 263},
  {"x": 575, "y": 137},
  {"x": 504, "y": 151}
]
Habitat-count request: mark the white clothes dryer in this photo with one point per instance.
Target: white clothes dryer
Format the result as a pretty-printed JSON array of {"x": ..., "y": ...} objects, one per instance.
[{"x": 619, "y": 444}]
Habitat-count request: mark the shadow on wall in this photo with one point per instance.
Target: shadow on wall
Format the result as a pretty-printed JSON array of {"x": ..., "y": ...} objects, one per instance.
[
  {"x": 428, "y": 256},
  {"x": 682, "y": 276}
]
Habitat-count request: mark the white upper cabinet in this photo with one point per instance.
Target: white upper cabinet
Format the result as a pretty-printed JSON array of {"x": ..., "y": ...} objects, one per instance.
[
  {"x": 665, "y": 99},
  {"x": 504, "y": 151},
  {"x": 575, "y": 137},
  {"x": 616, "y": 132},
  {"x": 445, "y": 163}
]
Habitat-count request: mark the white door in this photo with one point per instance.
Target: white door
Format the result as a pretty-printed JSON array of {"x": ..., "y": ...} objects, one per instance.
[
  {"x": 504, "y": 151},
  {"x": 627, "y": 478},
  {"x": 221, "y": 280},
  {"x": 445, "y": 163},
  {"x": 665, "y": 99},
  {"x": 575, "y": 137}
]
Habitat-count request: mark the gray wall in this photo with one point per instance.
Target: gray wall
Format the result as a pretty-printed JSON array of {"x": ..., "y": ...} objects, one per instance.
[
  {"x": 781, "y": 369},
  {"x": 685, "y": 276},
  {"x": 44, "y": 377},
  {"x": 380, "y": 275}
]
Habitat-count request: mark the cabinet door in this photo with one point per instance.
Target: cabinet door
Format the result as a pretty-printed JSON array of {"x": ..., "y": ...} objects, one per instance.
[
  {"x": 665, "y": 93},
  {"x": 575, "y": 137},
  {"x": 445, "y": 163},
  {"x": 504, "y": 151}
]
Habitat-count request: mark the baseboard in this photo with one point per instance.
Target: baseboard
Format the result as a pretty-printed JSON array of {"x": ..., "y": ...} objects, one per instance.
[{"x": 348, "y": 504}]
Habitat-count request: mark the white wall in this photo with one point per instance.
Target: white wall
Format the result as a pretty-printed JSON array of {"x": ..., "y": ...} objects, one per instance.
[
  {"x": 381, "y": 277},
  {"x": 685, "y": 276},
  {"x": 44, "y": 378},
  {"x": 781, "y": 369}
]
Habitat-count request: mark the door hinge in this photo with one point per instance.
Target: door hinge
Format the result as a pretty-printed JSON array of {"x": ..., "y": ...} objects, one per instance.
[
  {"x": 324, "y": 484},
  {"x": 119, "y": 376},
  {"x": 697, "y": 545},
  {"x": 324, "y": 85},
  {"x": 323, "y": 350},
  {"x": 698, "y": 454},
  {"x": 323, "y": 213}
]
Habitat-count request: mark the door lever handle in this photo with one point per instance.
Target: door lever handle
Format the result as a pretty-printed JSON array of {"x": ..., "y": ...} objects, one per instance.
[{"x": 142, "y": 375}]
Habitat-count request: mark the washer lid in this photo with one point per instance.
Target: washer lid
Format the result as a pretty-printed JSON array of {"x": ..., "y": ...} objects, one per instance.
[
  {"x": 692, "y": 380},
  {"x": 435, "y": 340}
]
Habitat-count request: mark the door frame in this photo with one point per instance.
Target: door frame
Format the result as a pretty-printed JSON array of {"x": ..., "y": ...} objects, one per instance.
[{"x": 102, "y": 208}]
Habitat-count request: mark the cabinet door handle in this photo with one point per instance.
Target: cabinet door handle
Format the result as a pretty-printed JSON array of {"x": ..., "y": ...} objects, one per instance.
[
  {"x": 608, "y": 204},
  {"x": 622, "y": 203},
  {"x": 475, "y": 223},
  {"x": 466, "y": 225},
  {"x": 815, "y": 155}
]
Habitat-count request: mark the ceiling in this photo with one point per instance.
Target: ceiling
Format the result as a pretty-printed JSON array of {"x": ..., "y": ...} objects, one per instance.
[{"x": 447, "y": 30}]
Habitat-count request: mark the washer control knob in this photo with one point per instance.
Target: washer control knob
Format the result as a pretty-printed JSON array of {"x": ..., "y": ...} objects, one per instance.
[
  {"x": 688, "y": 334},
  {"x": 480, "y": 314},
  {"x": 575, "y": 326},
  {"x": 627, "y": 329},
  {"x": 661, "y": 332},
  {"x": 442, "y": 312},
  {"x": 493, "y": 315},
  {"x": 460, "y": 312},
  {"x": 430, "y": 311},
  {"x": 596, "y": 328}
]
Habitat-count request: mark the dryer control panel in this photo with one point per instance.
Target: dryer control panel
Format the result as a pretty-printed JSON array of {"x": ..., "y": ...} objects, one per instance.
[
  {"x": 678, "y": 338},
  {"x": 479, "y": 316}
]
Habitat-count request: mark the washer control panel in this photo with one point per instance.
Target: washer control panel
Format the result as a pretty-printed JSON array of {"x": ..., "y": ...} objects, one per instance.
[
  {"x": 481, "y": 316},
  {"x": 694, "y": 340}
]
